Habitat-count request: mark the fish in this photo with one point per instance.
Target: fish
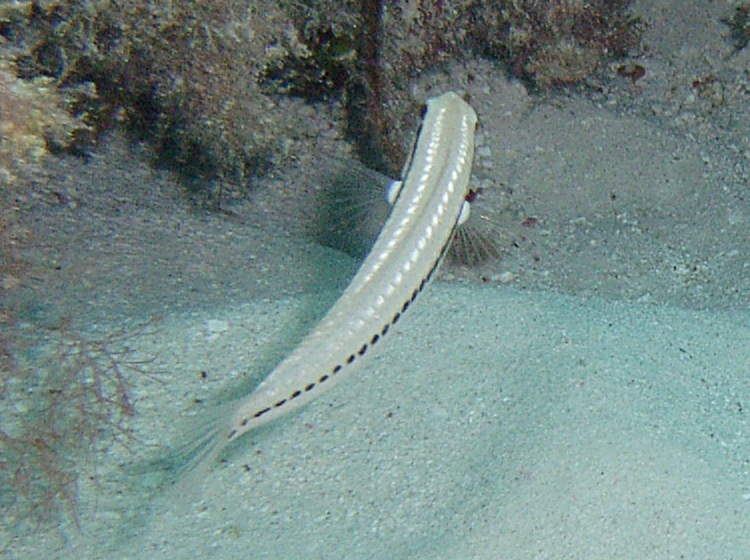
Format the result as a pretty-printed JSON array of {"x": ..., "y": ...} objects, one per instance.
[{"x": 428, "y": 204}]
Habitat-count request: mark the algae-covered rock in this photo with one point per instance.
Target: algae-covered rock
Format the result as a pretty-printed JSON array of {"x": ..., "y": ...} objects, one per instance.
[
  {"x": 220, "y": 88},
  {"x": 33, "y": 121},
  {"x": 185, "y": 75}
]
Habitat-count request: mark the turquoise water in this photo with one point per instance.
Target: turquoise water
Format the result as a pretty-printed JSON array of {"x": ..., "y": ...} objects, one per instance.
[{"x": 583, "y": 396}]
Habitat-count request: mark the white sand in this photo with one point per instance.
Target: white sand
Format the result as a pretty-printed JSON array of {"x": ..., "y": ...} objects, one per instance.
[{"x": 496, "y": 424}]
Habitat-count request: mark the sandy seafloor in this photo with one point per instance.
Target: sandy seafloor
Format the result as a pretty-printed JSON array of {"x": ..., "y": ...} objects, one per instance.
[{"x": 586, "y": 396}]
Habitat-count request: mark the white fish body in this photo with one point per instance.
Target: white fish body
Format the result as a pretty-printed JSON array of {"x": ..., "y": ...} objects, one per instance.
[{"x": 427, "y": 207}]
